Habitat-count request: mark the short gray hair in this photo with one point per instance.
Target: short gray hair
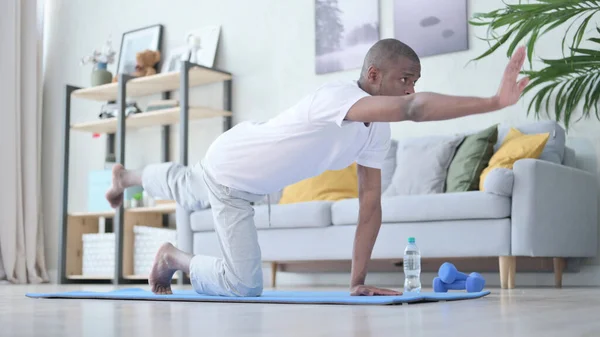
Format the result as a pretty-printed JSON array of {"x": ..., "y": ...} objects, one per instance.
[{"x": 384, "y": 52}]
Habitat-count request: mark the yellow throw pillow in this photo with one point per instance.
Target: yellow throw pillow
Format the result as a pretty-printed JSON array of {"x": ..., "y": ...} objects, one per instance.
[
  {"x": 330, "y": 185},
  {"x": 515, "y": 146}
]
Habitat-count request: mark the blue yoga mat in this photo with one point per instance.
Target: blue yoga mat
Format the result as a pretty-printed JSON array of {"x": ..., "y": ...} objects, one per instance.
[{"x": 290, "y": 297}]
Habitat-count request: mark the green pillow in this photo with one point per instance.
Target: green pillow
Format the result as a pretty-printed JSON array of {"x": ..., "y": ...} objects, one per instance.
[{"x": 471, "y": 158}]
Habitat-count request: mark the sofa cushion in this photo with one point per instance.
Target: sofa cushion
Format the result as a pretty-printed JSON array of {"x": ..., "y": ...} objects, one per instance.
[
  {"x": 429, "y": 207},
  {"x": 471, "y": 158},
  {"x": 516, "y": 146},
  {"x": 202, "y": 221},
  {"x": 422, "y": 165},
  {"x": 554, "y": 150},
  {"x": 330, "y": 185},
  {"x": 304, "y": 214},
  {"x": 499, "y": 181},
  {"x": 570, "y": 158}
]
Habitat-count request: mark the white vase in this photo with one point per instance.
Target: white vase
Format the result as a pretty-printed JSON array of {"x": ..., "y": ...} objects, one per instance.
[
  {"x": 134, "y": 203},
  {"x": 148, "y": 200}
]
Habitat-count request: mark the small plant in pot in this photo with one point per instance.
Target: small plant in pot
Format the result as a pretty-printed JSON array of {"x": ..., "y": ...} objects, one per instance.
[
  {"x": 101, "y": 60},
  {"x": 137, "y": 200}
]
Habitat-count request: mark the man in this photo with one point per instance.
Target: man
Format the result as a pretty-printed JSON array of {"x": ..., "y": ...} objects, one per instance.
[{"x": 337, "y": 125}]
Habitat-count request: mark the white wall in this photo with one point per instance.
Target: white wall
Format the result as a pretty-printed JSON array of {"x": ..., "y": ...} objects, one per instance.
[{"x": 268, "y": 46}]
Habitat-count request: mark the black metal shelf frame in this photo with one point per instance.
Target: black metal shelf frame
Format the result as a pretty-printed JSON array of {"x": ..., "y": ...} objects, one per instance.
[{"x": 118, "y": 220}]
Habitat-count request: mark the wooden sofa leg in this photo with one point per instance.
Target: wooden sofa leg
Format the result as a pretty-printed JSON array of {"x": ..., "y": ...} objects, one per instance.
[
  {"x": 508, "y": 268},
  {"x": 273, "y": 274},
  {"x": 559, "y": 266}
]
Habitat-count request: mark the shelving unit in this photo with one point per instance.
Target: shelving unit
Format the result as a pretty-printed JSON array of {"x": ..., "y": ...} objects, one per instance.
[
  {"x": 74, "y": 225},
  {"x": 147, "y": 119},
  {"x": 164, "y": 82}
]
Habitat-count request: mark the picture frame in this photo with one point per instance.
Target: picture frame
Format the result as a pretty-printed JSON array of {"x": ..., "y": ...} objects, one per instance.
[
  {"x": 172, "y": 61},
  {"x": 208, "y": 42},
  {"x": 345, "y": 30},
  {"x": 432, "y": 27},
  {"x": 135, "y": 41},
  {"x": 200, "y": 47}
]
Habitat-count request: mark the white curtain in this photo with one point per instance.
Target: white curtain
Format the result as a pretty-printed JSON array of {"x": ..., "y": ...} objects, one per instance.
[{"x": 21, "y": 229}]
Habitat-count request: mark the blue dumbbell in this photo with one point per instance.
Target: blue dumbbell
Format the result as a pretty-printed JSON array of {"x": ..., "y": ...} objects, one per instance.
[
  {"x": 474, "y": 283},
  {"x": 448, "y": 273}
]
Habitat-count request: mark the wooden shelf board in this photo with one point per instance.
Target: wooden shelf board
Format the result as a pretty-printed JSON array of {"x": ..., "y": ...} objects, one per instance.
[
  {"x": 141, "y": 277},
  {"x": 148, "y": 119},
  {"x": 105, "y": 214},
  {"x": 89, "y": 277},
  {"x": 153, "y": 84},
  {"x": 160, "y": 209}
]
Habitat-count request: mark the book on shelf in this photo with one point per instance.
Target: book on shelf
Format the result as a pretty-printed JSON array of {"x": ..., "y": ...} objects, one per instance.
[{"x": 162, "y": 104}]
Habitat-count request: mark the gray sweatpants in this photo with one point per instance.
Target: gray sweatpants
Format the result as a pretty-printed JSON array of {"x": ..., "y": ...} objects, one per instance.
[{"x": 239, "y": 271}]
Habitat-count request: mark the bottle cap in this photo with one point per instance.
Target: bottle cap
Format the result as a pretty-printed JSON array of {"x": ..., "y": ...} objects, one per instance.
[{"x": 411, "y": 240}]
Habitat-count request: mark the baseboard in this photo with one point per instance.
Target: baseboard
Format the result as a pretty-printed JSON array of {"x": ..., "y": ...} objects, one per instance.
[
  {"x": 589, "y": 278},
  {"x": 483, "y": 264},
  {"x": 531, "y": 272}
]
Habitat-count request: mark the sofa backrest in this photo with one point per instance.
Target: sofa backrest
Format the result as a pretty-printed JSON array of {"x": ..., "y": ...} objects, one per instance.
[
  {"x": 554, "y": 151},
  {"x": 581, "y": 153},
  {"x": 577, "y": 152}
]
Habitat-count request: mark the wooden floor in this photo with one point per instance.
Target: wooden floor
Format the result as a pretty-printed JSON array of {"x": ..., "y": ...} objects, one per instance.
[{"x": 517, "y": 312}]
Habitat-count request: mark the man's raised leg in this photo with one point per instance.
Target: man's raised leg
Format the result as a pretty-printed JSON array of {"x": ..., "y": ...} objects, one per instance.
[{"x": 170, "y": 181}]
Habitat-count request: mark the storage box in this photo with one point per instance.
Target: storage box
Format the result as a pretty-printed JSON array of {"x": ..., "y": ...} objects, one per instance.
[
  {"x": 98, "y": 254},
  {"x": 147, "y": 241}
]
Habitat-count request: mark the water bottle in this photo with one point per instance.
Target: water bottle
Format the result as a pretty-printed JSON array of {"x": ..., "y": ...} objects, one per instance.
[{"x": 412, "y": 267}]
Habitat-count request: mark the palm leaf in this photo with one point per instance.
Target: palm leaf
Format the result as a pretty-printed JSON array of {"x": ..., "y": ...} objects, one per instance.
[
  {"x": 566, "y": 85},
  {"x": 521, "y": 20},
  {"x": 578, "y": 81}
]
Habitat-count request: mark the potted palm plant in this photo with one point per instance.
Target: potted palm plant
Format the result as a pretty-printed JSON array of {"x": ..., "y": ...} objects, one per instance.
[{"x": 562, "y": 86}]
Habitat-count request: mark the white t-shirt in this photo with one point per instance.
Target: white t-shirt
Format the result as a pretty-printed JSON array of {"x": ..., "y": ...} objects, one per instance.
[{"x": 302, "y": 142}]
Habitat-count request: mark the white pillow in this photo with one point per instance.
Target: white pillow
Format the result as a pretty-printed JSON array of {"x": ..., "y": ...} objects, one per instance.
[
  {"x": 499, "y": 181},
  {"x": 422, "y": 165}
]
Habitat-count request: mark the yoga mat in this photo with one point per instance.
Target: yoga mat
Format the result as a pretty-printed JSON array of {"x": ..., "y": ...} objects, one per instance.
[{"x": 289, "y": 297}]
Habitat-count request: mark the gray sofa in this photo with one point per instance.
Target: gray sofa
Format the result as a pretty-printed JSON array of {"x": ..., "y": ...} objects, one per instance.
[{"x": 550, "y": 212}]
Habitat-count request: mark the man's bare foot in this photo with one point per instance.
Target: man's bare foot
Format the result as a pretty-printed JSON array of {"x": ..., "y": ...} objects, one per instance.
[
  {"x": 114, "y": 195},
  {"x": 165, "y": 265}
]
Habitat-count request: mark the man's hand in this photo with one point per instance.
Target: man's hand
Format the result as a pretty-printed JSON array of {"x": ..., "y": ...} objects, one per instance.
[
  {"x": 510, "y": 89},
  {"x": 363, "y": 290}
]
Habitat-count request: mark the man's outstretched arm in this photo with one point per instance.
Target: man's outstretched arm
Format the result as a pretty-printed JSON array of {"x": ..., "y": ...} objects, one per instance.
[
  {"x": 428, "y": 106},
  {"x": 369, "y": 222}
]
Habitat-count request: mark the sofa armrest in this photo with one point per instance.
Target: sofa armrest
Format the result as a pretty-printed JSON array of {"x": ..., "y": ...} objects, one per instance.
[
  {"x": 184, "y": 230},
  {"x": 554, "y": 210}
]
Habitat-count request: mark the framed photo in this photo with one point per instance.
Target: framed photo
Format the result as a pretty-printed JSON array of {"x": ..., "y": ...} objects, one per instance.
[
  {"x": 345, "y": 30},
  {"x": 432, "y": 27},
  {"x": 203, "y": 44},
  {"x": 136, "y": 41},
  {"x": 172, "y": 62}
]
